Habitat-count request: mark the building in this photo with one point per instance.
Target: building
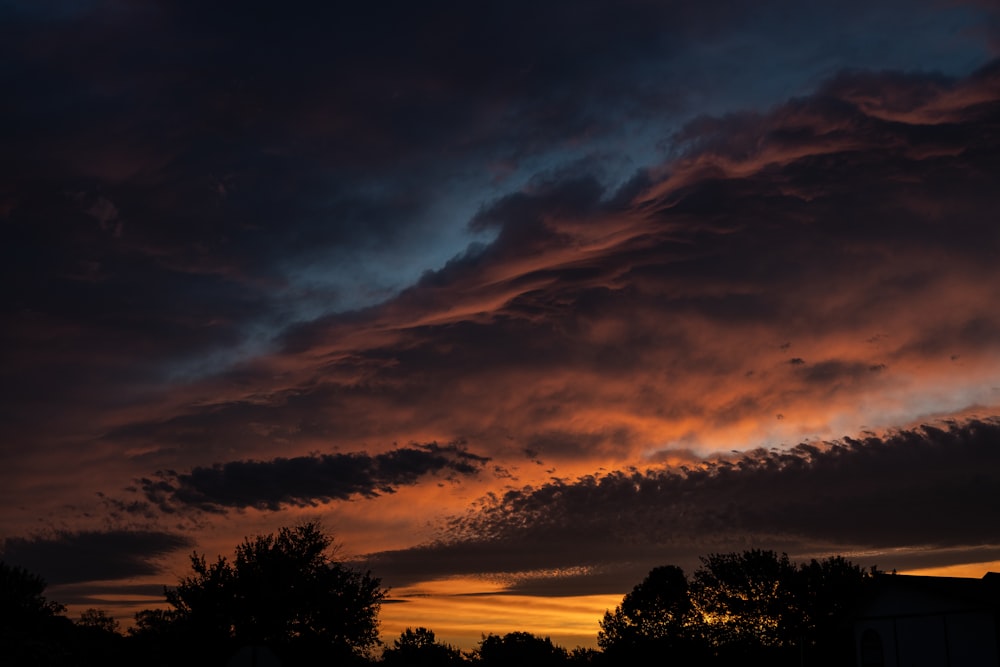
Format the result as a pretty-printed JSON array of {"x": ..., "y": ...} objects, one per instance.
[{"x": 913, "y": 621}]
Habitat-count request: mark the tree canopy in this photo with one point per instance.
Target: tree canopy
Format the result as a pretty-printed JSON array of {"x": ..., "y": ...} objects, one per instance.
[
  {"x": 284, "y": 591},
  {"x": 29, "y": 623},
  {"x": 21, "y": 597},
  {"x": 519, "y": 648},
  {"x": 657, "y": 610},
  {"x": 747, "y": 598},
  {"x": 420, "y": 648},
  {"x": 752, "y": 602}
]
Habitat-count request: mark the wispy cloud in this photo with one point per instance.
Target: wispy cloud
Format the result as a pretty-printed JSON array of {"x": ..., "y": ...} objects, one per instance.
[{"x": 66, "y": 557}]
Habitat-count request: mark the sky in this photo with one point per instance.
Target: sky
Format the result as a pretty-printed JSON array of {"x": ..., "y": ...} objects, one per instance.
[{"x": 518, "y": 299}]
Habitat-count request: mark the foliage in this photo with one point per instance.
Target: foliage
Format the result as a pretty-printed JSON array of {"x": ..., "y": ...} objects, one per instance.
[
  {"x": 581, "y": 656},
  {"x": 829, "y": 591},
  {"x": 96, "y": 640},
  {"x": 747, "y": 598},
  {"x": 98, "y": 620},
  {"x": 284, "y": 591},
  {"x": 31, "y": 628},
  {"x": 155, "y": 633},
  {"x": 21, "y": 597},
  {"x": 656, "y": 618},
  {"x": 419, "y": 648},
  {"x": 518, "y": 648},
  {"x": 659, "y": 608},
  {"x": 754, "y": 603}
]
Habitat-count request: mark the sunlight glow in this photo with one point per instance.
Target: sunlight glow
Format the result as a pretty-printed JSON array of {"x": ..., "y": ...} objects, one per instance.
[{"x": 462, "y": 620}]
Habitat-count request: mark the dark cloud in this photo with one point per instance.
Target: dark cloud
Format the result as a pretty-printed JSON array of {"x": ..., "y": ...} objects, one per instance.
[
  {"x": 168, "y": 217},
  {"x": 820, "y": 221},
  {"x": 68, "y": 557},
  {"x": 928, "y": 490},
  {"x": 831, "y": 372},
  {"x": 821, "y": 232},
  {"x": 579, "y": 231},
  {"x": 84, "y": 594},
  {"x": 307, "y": 480}
]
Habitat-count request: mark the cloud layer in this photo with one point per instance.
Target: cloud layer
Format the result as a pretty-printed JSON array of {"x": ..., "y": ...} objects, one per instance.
[
  {"x": 910, "y": 496},
  {"x": 306, "y": 480},
  {"x": 806, "y": 272},
  {"x": 68, "y": 557}
]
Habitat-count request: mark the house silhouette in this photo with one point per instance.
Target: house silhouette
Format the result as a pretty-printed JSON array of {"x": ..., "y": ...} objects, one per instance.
[{"x": 917, "y": 621}]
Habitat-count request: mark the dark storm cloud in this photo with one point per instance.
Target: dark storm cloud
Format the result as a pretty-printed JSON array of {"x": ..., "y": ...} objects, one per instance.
[
  {"x": 168, "y": 165},
  {"x": 68, "y": 557},
  {"x": 227, "y": 230},
  {"x": 209, "y": 129},
  {"x": 182, "y": 182},
  {"x": 307, "y": 480},
  {"x": 931, "y": 488},
  {"x": 822, "y": 222},
  {"x": 200, "y": 122}
]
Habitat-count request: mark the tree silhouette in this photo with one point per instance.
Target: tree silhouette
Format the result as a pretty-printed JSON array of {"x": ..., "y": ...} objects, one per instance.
[
  {"x": 657, "y": 617},
  {"x": 98, "y": 620},
  {"x": 580, "y": 657},
  {"x": 284, "y": 591},
  {"x": 97, "y": 640},
  {"x": 748, "y": 599},
  {"x": 32, "y": 631},
  {"x": 419, "y": 648},
  {"x": 21, "y": 597},
  {"x": 157, "y": 636},
  {"x": 522, "y": 649},
  {"x": 829, "y": 592},
  {"x": 737, "y": 606}
]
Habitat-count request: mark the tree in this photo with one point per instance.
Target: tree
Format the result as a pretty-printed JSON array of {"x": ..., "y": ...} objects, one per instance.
[
  {"x": 285, "y": 591},
  {"x": 829, "y": 592},
  {"x": 739, "y": 607},
  {"x": 98, "y": 620},
  {"x": 583, "y": 657},
  {"x": 419, "y": 648},
  {"x": 519, "y": 648},
  {"x": 748, "y": 599},
  {"x": 829, "y": 589},
  {"x": 21, "y": 597},
  {"x": 154, "y": 630},
  {"x": 657, "y": 608},
  {"x": 657, "y": 617},
  {"x": 97, "y": 640},
  {"x": 32, "y": 629}
]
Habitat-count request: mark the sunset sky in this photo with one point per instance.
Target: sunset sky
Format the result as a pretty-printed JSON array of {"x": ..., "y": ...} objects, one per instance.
[{"x": 520, "y": 299}]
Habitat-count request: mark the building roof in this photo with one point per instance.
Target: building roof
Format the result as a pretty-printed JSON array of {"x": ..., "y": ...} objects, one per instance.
[{"x": 911, "y": 595}]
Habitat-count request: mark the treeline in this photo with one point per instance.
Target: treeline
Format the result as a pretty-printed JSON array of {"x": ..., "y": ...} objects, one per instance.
[{"x": 283, "y": 599}]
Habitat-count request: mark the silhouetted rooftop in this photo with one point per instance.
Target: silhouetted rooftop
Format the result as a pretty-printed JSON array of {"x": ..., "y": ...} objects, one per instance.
[{"x": 897, "y": 594}]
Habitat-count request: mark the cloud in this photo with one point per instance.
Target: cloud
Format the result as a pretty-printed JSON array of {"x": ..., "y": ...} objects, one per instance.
[
  {"x": 85, "y": 595},
  {"x": 67, "y": 557},
  {"x": 927, "y": 492},
  {"x": 312, "y": 231},
  {"x": 766, "y": 269},
  {"x": 307, "y": 480}
]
